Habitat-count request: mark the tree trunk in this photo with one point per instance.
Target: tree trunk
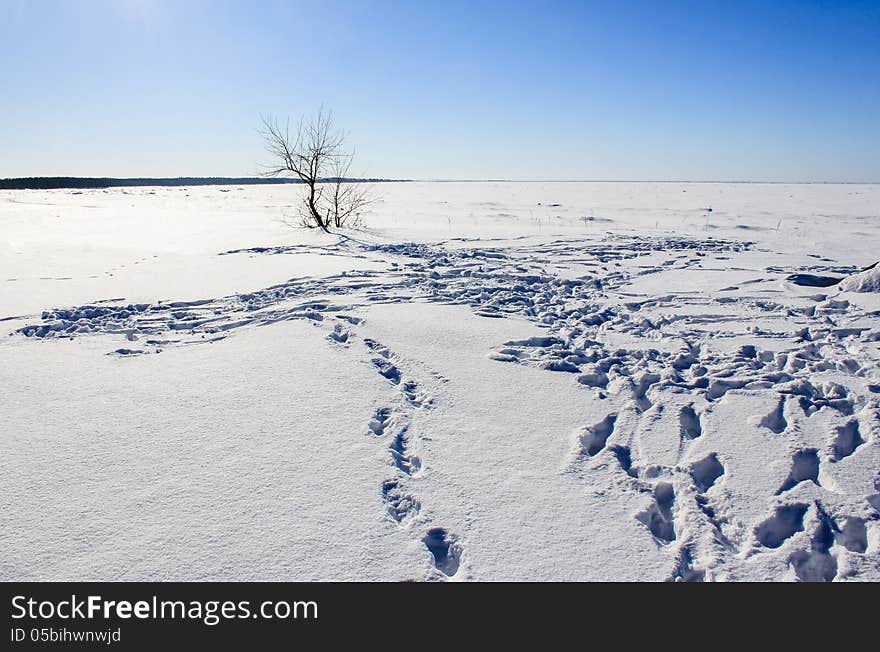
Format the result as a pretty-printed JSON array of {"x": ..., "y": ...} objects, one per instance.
[{"x": 314, "y": 209}]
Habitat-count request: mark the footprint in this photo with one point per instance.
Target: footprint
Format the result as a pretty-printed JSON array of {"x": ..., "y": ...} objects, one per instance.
[
  {"x": 847, "y": 441},
  {"x": 854, "y": 535},
  {"x": 409, "y": 390},
  {"x": 658, "y": 517},
  {"x": 640, "y": 390},
  {"x": 387, "y": 370},
  {"x": 804, "y": 466},
  {"x": 874, "y": 499},
  {"x": 403, "y": 460},
  {"x": 785, "y": 522},
  {"x": 775, "y": 421},
  {"x": 126, "y": 352},
  {"x": 339, "y": 335},
  {"x": 594, "y": 378},
  {"x": 690, "y": 423},
  {"x": 816, "y": 564},
  {"x": 380, "y": 420},
  {"x": 373, "y": 345},
  {"x": 719, "y": 387},
  {"x": 594, "y": 439},
  {"x": 714, "y": 517},
  {"x": 624, "y": 458},
  {"x": 706, "y": 471},
  {"x": 445, "y": 550},
  {"x": 400, "y": 506},
  {"x": 684, "y": 570}
]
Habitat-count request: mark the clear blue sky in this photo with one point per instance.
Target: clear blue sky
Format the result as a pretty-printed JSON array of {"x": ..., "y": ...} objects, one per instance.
[{"x": 523, "y": 90}]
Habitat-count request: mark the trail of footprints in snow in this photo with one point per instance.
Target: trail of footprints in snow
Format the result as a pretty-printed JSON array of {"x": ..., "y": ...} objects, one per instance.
[
  {"x": 574, "y": 345},
  {"x": 657, "y": 517},
  {"x": 816, "y": 563},
  {"x": 577, "y": 313},
  {"x": 394, "y": 424},
  {"x": 490, "y": 280}
]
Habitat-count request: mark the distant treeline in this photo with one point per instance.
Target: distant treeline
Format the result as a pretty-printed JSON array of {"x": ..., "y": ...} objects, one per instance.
[{"x": 46, "y": 183}]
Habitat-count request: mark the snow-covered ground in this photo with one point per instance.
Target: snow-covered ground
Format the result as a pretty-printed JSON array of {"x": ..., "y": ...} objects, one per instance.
[{"x": 492, "y": 381}]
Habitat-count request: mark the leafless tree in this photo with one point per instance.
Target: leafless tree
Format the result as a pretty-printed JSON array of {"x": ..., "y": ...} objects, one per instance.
[{"x": 315, "y": 155}]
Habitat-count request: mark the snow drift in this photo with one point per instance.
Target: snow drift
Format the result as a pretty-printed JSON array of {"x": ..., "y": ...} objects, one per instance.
[{"x": 866, "y": 281}]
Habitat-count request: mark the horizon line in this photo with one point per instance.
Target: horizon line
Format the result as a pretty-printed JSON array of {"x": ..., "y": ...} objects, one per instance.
[{"x": 258, "y": 180}]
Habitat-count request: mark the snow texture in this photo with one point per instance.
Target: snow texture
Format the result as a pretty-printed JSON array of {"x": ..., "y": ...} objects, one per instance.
[
  {"x": 494, "y": 381},
  {"x": 866, "y": 281}
]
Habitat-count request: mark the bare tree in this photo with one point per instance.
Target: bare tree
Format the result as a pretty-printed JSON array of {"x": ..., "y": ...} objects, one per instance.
[
  {"x": 349, "y": 199},
  {"x": 316, "y": 156}
]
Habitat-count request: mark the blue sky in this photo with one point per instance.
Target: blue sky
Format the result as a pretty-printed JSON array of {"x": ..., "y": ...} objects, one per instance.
[{"x": 777, "y": 91}]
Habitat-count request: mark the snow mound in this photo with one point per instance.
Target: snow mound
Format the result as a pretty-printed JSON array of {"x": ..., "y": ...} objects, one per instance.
[{"x": 866, "y": 281}]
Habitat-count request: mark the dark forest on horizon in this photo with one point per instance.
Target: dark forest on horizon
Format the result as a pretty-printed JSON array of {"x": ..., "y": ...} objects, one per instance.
[{"x": 51, "y": 183}]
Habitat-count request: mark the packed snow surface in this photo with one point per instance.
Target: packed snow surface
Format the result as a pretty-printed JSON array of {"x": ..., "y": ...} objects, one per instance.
[{"x": 491, "y": 381}]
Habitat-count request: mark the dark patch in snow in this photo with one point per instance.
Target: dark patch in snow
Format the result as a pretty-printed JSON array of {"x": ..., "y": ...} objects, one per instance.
[
  {"x": 445, "y": 550},
  {"x": 706, "y": 471},
  {"x": 783, "y": 524},
  {"x": 658, "y": 516},
  {"x": 813, "y": 280},
  {"x": 690, "y": 423},
  {"x": 848, "y": 439},
  {"x": 804, "y": 466},
  {"x": 595, "y": 437}
]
